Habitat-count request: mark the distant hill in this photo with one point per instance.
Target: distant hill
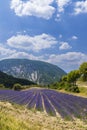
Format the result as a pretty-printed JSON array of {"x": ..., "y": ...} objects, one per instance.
[
  {"x": 9, "y": 81},
  {"x": 36, "y": 71}
]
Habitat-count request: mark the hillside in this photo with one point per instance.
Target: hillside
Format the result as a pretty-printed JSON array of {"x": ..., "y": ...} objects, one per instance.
[
  {"x": 9, "y": 81},
  {"x": 36, "y": 71}
]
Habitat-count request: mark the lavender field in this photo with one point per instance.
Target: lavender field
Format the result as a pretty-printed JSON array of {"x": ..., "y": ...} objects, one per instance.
[{"x": 49, "y": 101}]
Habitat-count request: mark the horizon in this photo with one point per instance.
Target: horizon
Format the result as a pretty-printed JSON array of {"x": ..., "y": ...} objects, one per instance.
[
  {"x": 35, "y": 60},
  {"x": 50, "y": 31}
]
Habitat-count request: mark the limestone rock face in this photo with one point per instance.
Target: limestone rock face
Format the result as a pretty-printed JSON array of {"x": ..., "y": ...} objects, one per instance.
[{"x": 36, "y": 71}]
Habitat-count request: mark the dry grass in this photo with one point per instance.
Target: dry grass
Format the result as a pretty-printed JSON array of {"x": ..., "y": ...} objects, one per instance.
[
  {"x": 21, "y": 118},
  {"x": 82, "y": 84}
]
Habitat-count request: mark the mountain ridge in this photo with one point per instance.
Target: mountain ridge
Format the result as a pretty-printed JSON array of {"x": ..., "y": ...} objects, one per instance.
[
  {"x": 33, "y": 70},
  {"x": 9, "y": 81}
]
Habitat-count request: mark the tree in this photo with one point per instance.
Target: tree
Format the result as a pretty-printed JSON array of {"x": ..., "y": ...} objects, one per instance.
[
  {"x": 17, "y": 86},
  {"x": 64, "y": 78},
  {"x": 73, "y": 76},
  {"x": 83, "y": 71}
]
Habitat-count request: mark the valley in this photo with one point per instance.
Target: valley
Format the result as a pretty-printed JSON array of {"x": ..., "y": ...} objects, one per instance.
[
  {"x": 43, "y": 65},
  {"x": 58, "y": 105}
]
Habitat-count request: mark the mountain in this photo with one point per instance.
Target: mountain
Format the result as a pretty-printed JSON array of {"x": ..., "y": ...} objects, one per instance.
[
  {"x": 9, "y": 81},
  {"x": 36, "y": 71}
]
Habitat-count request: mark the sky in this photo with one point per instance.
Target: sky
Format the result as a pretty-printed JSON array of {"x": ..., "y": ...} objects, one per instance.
[{"x": 53, "y": 31}]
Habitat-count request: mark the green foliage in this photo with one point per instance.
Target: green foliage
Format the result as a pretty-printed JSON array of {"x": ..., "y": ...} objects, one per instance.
[
  {"x": 73, "y": 76},
  {"x": 2, "y": 86},
  {"x": 74, "y": 89},
  {"x": 83, "y": 71},
  {"x": 66, "y": 86},
  {"x": 55, "y": 85},
  {"x": 64, "y": 78},
  {"x": 17, "y": 86},
  {"x": 68, "y": 82},
  {"x": 8, "y": 80}
]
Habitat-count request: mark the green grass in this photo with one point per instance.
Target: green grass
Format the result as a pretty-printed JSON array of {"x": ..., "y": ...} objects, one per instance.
[
  {"x": 83, "y": 91},
  {"x": 6, "y": 123}
]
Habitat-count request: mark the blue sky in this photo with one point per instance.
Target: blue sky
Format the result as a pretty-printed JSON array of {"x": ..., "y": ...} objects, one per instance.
[{"x": 54, "y": 31}]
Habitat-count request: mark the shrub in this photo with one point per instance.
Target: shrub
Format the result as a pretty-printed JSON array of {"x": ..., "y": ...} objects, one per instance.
[
  {"x": 17, "y": 86},
  {"x": 74, "y": 89},
  {"x": 2, "y": 86},
  {"x": 68, "y": 87}
]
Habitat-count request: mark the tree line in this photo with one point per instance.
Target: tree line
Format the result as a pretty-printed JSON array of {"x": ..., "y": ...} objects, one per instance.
[{"x": 68, "y": 82}]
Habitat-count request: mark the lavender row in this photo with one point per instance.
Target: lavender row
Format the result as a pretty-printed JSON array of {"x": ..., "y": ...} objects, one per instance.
[{"x": 47, "y": 100}]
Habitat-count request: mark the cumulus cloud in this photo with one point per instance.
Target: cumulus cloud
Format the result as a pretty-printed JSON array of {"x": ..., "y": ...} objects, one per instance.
[
  {"x": 5, "y": 51},
  {"x": 36, "y": 8},
  {"x": 80, "y": 7},
  {"x": 64, "y": 46},
  {"x": 39, "y": 8},
  {"x": 35, "y": 43},
  {"x": 25, "y": 55},
  {"x": 69, "y": 60},
  {"x": 74, "y": 37},
  {"x": 62, "y": 4}
]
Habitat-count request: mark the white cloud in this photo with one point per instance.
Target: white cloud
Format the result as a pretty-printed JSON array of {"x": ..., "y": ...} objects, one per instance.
[
  {"x": 36, "y": 8},
  {"x": 35, "y": 43},
  {"x": 25, "y": 55},
  {"x": 5, "y": 51},
  {"x": 64, "y": 46},
  {"x": 39, "y": 8},
  {"x": 62, "y": 4},
  {"x": 74, "y": 37},
  {"x": 80, "y": 7},
  {"x": 68, "y": 61}
]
